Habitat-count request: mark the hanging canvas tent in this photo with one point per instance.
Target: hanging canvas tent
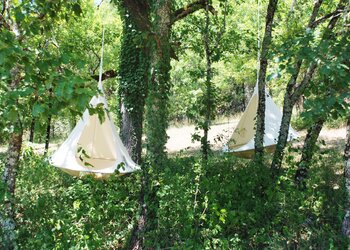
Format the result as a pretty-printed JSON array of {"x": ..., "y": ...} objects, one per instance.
[
  {"x": 94, "y": 146},
  {"x": 242, "y": 140}
]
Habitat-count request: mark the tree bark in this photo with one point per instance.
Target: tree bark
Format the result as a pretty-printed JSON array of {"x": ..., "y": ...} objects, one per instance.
[
  {"x": 260, "y": 116},
  {"x": 243, "y": 100},
  {"x": 32, "y": 130},
  {"x": 346, "y": 220},
  {"x": 48, "y": 133},
  {"x": 294, "y": 91},
  {"x": 7, "y": 209},
  {"x": 53, "y": 128},
  {"x": 307, "y": 152},
  {"x": 7, "y": 217}
]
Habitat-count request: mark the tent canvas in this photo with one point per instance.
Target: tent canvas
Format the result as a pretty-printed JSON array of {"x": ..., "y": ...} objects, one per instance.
[
  {"x": 242, "y": 140},
  {"x": 94, "y": 147}
]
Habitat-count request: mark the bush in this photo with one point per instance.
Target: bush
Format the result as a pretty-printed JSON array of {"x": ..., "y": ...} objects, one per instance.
[
  {"x": 227, "y": 203},
  {"x": 57, "y": 211}
]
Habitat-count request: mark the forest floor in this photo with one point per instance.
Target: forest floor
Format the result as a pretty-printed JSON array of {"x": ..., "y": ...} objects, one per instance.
[{"x": 180, "y": 137}]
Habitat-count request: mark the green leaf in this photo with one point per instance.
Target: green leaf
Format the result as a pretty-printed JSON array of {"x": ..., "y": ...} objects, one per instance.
[{"x": 38, "y": 109}]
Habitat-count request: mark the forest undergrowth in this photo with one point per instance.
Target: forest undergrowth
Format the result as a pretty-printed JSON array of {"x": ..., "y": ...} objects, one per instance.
[{"x": 228, "y": 203}]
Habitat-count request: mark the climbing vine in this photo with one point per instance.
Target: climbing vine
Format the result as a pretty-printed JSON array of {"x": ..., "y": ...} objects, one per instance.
[{"x": 133, "y": 71}]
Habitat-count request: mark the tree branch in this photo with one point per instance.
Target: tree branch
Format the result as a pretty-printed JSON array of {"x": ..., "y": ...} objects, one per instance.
[
  {"x": 299, "y": 89},
  {"x": 325, "y": 17},
  {"x": 4, "y": 23},
  {"x": 2, "y": 18},
  {"x": 223, "y": 28},
  {"x": 106, "y": 75},
  {"x": 315, "y": 10},
  {"x": 189, "y": 9},
  {"x": 4, "y": 7}
]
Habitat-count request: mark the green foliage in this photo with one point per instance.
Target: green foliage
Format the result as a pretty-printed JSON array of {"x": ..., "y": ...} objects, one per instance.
[
  {"x": 226, "y": 203},
  {"x": 55, "y": 57},
  {"x": 57, "y": 211}
]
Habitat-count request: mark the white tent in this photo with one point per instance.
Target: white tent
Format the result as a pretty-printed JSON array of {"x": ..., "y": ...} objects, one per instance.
[
  {"x": 94, "y": 146},
  {"x": 242, "y": 140}
]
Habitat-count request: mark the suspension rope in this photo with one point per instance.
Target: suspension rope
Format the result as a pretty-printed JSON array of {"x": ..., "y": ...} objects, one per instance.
[
  {"x": 101, "y": 62},
  {"x": 258, "y": 54}
]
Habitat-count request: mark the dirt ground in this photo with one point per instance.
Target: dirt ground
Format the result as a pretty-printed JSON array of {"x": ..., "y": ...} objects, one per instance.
[{"x": 180, "y": 138}]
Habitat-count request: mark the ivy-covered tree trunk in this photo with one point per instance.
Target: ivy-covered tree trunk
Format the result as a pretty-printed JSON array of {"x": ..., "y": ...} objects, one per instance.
[
  {"x": 294, "y": 90},
  {"x": 157, "y": 31},
  {"x": 346, "y": 221},
  {"x": 158, "y": 96},
  {"x": 260, "y": 116},
  {"x": 157, "y": 108},
  {"x": 307, "y": 152},
  {"x": 134, "y": 76}
]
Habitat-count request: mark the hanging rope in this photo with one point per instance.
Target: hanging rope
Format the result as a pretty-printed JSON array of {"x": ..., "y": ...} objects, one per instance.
[
  {"x": 101, "y": 62},
  {"x": 258, "y": 64}
]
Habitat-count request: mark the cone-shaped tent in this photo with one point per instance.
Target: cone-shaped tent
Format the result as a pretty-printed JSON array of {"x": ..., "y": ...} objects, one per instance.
[
  {"x": 94, "y": 147},
  {"x": 242, "y": 140}
]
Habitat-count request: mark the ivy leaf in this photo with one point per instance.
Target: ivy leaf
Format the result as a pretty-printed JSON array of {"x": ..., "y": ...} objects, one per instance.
[
  {"x": 12, "y": 114},
  {"x": 38, "y": 109},
  {"x": 19, "y": 16}
]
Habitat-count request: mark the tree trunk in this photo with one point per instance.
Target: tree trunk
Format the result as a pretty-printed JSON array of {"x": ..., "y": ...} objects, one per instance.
[
  {"x": 9, "y": 179},
  {"x": 290, "y": 99},
  {"x": 7, "y": 216},
  {"x": 134, "y": 77},
  {"x": 53, "y": 134},
  {"x": 243, "y": 101},
  {"x": 157, "y": 107},
  {"x": 293, "y": 91},
  {"x": 137, "y": 239},
  {"x": 260, "y": 116},
  {"x": 48, "y": 133},
  {"x": 32, "y": 129},
  {"x": 307, "y": 152},
  {"x": 346, "y": 221},
  {"x": 156, "y": 91},
  {"x": 158, "y": 96},
  {"x": 208, "y": 102}
]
